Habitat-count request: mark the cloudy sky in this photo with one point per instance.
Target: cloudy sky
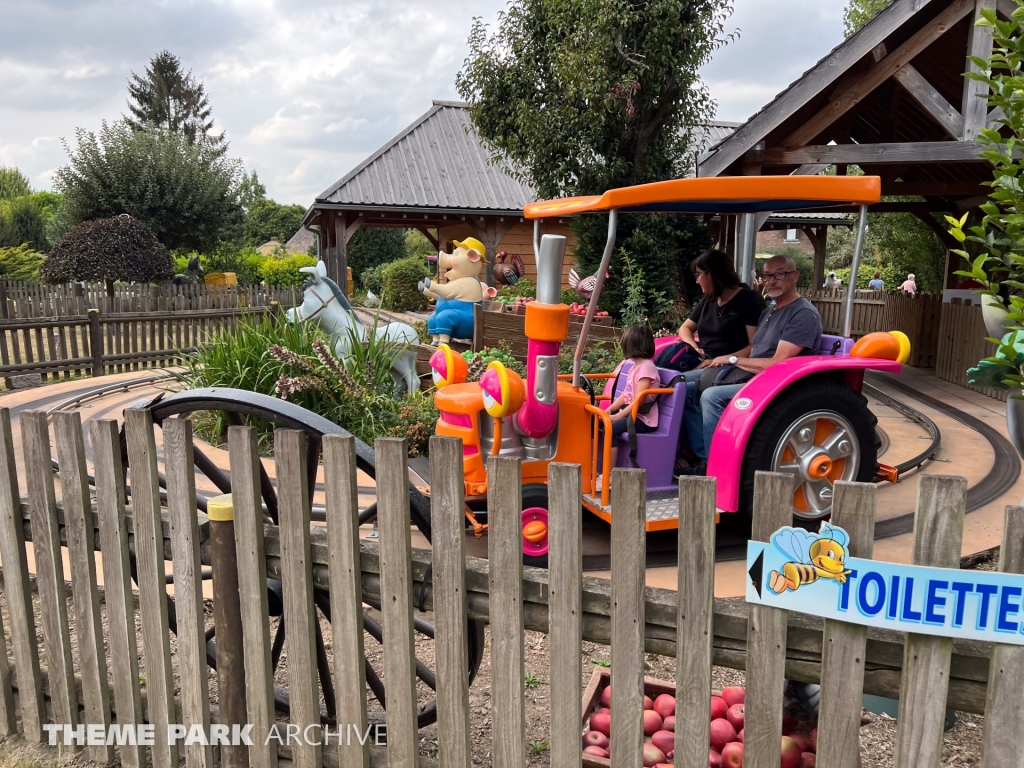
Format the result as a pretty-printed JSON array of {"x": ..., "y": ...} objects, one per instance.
[{"x": 305, "y": 90}]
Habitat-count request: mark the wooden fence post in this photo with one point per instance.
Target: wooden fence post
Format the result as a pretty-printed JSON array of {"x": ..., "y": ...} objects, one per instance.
[
  {"x": 1004, "y": 712},
  {"x": 252, "y": 592},
  {"x": 3, "y": 299},
  {"x": 629, "y": 548},
  {"x": 565, "y": 611},
  {"x": 843, "y": 645},
  {"x": 694, "y": 620},
  {"x": 290, "y": 451},
  {"x": 938, "y": 533},
  {"x": 505, "y": 574},
  {"x": 78, "y": 524},
  {"x": 452, "y": 634},
  {"x": 96, "y": 342},
  {"x": 766, "y": 634}
]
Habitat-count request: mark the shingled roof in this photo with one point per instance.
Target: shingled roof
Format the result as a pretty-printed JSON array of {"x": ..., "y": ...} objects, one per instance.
[{"x": 439, "y": 162}]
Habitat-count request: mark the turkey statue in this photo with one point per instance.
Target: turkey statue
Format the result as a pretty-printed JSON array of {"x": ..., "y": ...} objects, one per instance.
[
  {"x": 584, "y": 287},
  {"x": 508, "y": 274}
]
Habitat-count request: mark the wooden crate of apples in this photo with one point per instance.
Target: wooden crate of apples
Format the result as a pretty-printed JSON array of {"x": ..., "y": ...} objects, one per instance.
[
  {"x": 726, "y": 744},
  {"x": 580, "y": 310}
]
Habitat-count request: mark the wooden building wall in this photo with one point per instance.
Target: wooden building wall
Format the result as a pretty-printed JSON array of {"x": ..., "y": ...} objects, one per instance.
[{"x": 518, "y": 240}]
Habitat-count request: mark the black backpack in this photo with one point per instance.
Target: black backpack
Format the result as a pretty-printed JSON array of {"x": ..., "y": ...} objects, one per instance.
[{"x": 678, "y": 357}]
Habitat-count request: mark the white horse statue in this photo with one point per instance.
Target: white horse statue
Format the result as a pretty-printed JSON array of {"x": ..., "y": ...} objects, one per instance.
[{"x": 324, "y": 303}]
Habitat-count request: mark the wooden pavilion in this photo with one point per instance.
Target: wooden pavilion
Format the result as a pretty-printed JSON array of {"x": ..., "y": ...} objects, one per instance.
[
  {"x": 436, "y": 176},
  {"x": 891, "y": 99}
]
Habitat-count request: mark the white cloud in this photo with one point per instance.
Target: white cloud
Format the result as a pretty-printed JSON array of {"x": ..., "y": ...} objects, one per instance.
[{"x": 305, "y": 90}]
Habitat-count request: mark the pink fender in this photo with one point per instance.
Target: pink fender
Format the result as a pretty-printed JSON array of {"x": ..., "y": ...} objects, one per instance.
[{"x": 725, "y": 459}]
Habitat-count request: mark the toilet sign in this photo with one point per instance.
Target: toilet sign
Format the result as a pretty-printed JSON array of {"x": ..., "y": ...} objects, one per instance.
[{"x": 811, "y": 573}]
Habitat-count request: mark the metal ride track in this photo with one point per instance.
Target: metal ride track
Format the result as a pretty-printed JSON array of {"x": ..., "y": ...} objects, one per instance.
[{"x": 1002, "y": 476}]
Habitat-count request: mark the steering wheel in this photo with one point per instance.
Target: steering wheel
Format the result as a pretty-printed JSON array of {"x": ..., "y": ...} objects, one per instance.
[{"x": 588, "y": 387}]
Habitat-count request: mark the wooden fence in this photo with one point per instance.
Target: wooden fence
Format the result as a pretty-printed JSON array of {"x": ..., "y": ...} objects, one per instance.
[
  {"x": 962, "y": 343},
  {"x": 98, "y": 344},
  {"x": 573, "y": 606},
  {"x": 491, "y": 328},
  {"x": 24, "y": 300}
]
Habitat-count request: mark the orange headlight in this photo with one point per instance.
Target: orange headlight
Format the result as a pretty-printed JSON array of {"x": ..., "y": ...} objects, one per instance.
[
  {"x": 503, "y": 390},
  {"x": 447, "y": 367}
]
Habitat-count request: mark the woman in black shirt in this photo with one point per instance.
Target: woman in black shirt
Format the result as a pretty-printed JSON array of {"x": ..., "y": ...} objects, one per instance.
[{"x": 726, "y": 319}]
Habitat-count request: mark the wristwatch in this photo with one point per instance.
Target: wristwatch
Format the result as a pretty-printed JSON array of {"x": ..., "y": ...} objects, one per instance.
[{"x": 733, "y": 360}]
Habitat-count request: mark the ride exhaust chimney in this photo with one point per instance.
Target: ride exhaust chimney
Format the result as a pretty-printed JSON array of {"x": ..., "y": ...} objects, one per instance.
[{"x": 547, "y": 326}]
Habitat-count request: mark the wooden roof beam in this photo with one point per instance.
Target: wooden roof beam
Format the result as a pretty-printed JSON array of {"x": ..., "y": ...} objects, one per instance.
[
  {"x": 825, "y": 73},
  {"x": 930, "y": 100},
  {"x": 860, "y": 154},
  {"x": 881, "y": 72},
  {"x": 975, "y": 106}
]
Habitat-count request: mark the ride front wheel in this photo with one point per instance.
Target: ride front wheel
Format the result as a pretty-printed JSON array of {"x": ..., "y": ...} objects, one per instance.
[{"x": 821, "y": 432}]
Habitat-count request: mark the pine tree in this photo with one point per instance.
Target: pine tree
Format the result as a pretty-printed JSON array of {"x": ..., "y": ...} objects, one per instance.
[{"x": 171, "y": 99}]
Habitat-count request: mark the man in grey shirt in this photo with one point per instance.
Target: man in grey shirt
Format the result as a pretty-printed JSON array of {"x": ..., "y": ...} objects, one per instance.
[{"x": 790, "y": 327}]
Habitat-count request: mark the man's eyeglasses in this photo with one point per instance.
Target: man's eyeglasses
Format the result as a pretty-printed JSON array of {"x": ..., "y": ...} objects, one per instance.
[{"x": 780, "y": 276}]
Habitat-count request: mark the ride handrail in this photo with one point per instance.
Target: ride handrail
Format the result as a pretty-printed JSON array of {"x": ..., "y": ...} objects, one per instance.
[
  {"x": 568, "y": 376},
  {"x": 606, "y": 474},
  {"x": 635, "y": 409}
]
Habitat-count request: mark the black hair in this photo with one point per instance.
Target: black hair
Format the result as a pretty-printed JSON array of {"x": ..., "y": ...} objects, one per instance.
[
  {"x": 637, "y": 342},
  {"x": 718, "y": 266}
]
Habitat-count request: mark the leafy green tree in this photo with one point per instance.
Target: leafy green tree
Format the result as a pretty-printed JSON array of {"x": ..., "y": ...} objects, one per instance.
[
  {"x": 581, "y": 96},
  {"x": 186, "y": 192},
  {"x": 372, "y": 246},
  {"x": 266, "y": 220},
  {"x": 13, "y": 183},
  {"x": 169, "y": 98},
  {"x": 860, "y": 12},
  {"x": 250, "y": 189},
  {"x": 22, "y": 223},
  {"x": 417, "y": 244}
]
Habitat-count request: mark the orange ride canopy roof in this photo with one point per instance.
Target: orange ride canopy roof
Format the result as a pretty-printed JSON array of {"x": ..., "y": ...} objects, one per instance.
[{"x": 723, "y": 195}]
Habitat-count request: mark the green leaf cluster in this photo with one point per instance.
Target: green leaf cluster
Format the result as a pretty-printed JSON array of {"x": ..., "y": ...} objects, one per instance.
[
  {"x": 13, "y": 183},
  {"x": 374, "y": 246},
  {"x": 20, "y": 263},
  {"x": 993, "y": 246},
  {"x": 860, "y": 12},
  {"x": 285, "y": 272},
  {"x": 266, "y": 219},
  {"x": 186, "y": 192},
  {"x": 398, "y": 285}
]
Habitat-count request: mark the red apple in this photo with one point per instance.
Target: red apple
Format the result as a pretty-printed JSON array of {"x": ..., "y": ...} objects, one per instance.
[
  {"x": 789, "y": 724},
  {"x": 812, "y": 740},
  {"x": 714, "y": 759},
  {"x": 669, "y": 724},
  {"x": 808, "y": 760},
  {"x": 732, "y": 755},
  {"x": 603, "y": 709},
  {"x": 652, "y": 755},
  {"x": 734, "y": 695},
  {"x": 722, "y": 733},
  {"x": 606, "y": 697},
  {"x": 801, "y": 741},
  {"x": 718, "y": 707},
  {"x": 735, "y": 716},
  {"x": 601, "y": 722},
  {"x": 596, "y": 752},
  {"x": 652, "y": 722},
  {"x": 670, "y": 755},
  {"x": 790, "y": 753},
  {"x": 664, "y": 740},
  {"x": 665, "y": 705},
  {"x": 595, "y": 739},
  {"x": 741, "y": 735},
  {"x": 648, "y": 704}
]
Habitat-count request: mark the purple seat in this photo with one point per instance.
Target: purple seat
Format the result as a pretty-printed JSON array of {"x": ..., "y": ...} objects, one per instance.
[
  {"x": 828, "y": 342},
  {"x": 656, "y": 451}
]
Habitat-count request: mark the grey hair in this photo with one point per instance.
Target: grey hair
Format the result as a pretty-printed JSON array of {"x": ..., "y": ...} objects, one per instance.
[{"x": 787, "y": 260}]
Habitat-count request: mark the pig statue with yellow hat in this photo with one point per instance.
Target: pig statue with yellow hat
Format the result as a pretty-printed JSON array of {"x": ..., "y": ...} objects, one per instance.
[{"x": 453, "y": 317}]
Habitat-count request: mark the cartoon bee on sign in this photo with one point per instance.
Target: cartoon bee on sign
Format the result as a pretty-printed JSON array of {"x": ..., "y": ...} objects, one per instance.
[{"x": 813, "y": 557}]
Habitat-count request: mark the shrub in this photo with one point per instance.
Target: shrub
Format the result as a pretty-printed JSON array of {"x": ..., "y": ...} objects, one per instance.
[
  {"x": 373, "y": 246},
  {"x": 373, "y": 279},
  {"x": 22, "y": 221},
  {"x": 398, "y": 287},
  {"x": 524, "y": 287},
  {"x": 285, "y": 272},
  {"x": 21, "y": 263},
  {"x": 569, "y": 296},
  {"x": 866, "y": 272},
  {"x": 118, "y": 248},
  {"x": 597, "y": 358},
  {"x": 502, "y": 353}
]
